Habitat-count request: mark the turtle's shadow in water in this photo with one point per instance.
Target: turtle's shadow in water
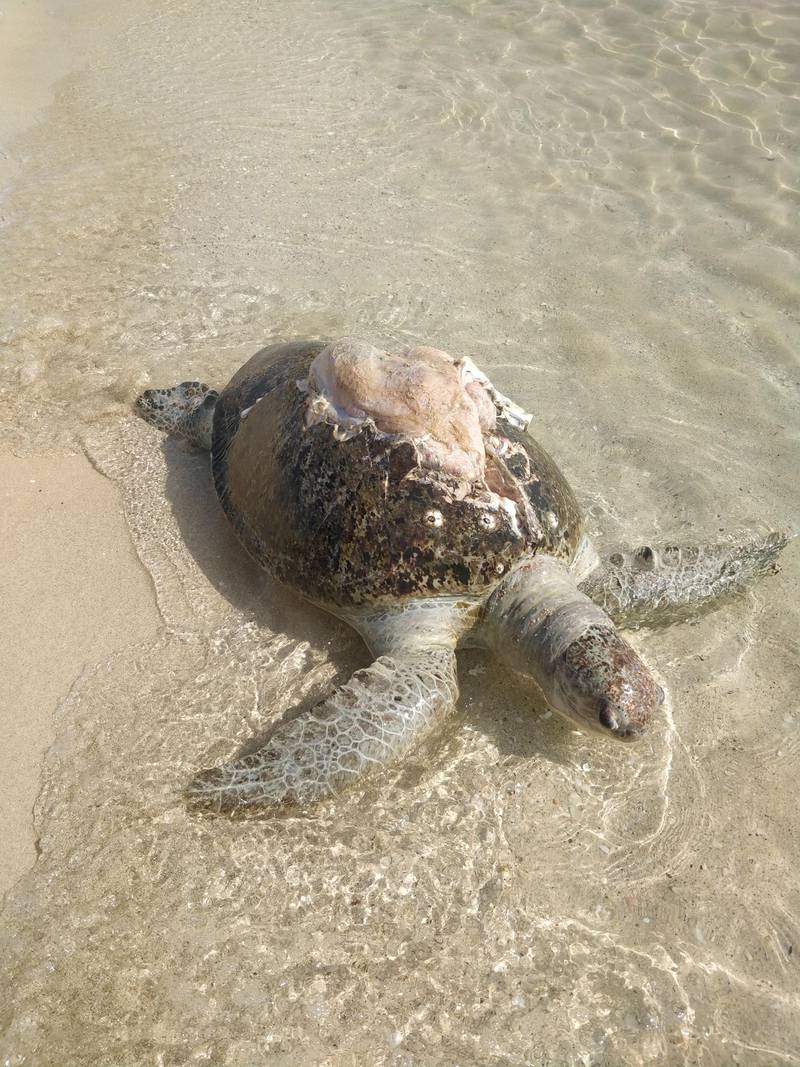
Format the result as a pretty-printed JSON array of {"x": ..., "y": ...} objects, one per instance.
[
  {"x": 506, "y": 710},
  {"x": 509, "y": 711},
  {"x": 211, "y": 542}
]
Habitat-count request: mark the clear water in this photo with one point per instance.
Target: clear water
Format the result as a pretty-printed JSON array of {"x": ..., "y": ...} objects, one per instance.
[{"x": 596, "y": 201}]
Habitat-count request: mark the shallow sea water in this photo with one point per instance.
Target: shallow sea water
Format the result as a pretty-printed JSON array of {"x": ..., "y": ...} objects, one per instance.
[{"x": 596, "y": 201}]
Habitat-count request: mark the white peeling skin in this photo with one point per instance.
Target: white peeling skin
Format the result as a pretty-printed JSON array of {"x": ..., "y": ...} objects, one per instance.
[
  {"x": 584, "y": 562},
  {"x": 377, "y": 716},
  {"x": 424, "y": 394},
  {"x": 475, "y": 379},
  {"x": 487, "y": 413}
]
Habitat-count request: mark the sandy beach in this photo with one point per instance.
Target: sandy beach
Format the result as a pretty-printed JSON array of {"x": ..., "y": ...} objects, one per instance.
[
  {"x": 598, "y": 205},
  {"x": 73, "y": 594},
  {"x": 72, "y": 588}
]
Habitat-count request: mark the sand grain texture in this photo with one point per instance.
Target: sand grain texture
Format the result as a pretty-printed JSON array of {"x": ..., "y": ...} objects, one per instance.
[{"x": 73, "y": 593}]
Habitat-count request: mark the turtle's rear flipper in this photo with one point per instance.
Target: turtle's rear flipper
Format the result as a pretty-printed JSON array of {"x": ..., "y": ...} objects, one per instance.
[
  {"x": 185, "y": 410},
  {"x": 652, "y": 585}
]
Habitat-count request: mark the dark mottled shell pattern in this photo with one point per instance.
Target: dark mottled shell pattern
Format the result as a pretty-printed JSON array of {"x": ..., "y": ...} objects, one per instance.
[{"x": 358, "y": 521}]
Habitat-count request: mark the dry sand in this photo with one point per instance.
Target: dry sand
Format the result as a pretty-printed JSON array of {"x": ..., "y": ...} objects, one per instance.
[{"x": 73, "y": 592}]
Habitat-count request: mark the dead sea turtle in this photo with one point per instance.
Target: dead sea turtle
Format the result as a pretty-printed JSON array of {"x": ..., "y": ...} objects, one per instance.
[{"x": 402, "y": 493}]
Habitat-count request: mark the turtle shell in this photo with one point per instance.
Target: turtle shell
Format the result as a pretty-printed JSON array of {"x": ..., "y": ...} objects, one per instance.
[{"x": 348, "y": 522}]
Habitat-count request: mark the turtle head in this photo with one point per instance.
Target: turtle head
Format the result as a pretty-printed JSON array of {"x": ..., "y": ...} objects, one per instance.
[
  {"x": 185, "y": 410},
  {"x": 600, "y": 682}
]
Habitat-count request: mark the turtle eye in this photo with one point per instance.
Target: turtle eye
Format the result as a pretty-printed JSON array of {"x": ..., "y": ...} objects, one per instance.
[
  {"x": 607, "y": 717},
  {"x": 433, "y": 518}
]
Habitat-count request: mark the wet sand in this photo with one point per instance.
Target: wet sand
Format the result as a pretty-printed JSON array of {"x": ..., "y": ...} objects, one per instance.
[
  {"x": 72, "y": 588},
  {"x": 73, "y": 594}
]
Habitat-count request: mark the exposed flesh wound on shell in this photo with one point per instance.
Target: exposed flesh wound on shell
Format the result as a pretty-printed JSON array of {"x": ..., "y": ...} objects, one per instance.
[{"x": 444, "y": 406}]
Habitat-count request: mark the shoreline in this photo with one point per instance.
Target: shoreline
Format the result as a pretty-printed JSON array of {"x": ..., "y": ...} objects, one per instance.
[
  {"x": 74, "y": 593},
  {"x": 73, "y": 589}
]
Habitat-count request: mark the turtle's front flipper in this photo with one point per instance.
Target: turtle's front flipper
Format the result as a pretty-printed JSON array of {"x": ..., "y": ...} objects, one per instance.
[
  {"x": 379, "y": 714},
  {"x": 542, "y": 625},
  {"x": 185, "y": 410},
  {"x": 651, "y": 585}
]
